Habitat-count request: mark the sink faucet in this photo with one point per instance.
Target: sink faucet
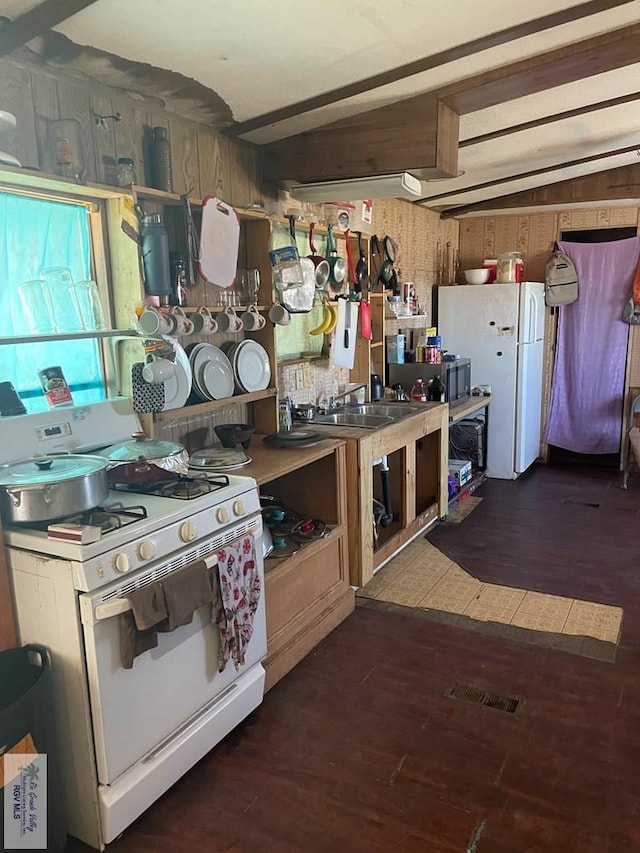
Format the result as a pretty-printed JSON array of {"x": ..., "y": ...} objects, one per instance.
[{"x": 333, "y": 400}]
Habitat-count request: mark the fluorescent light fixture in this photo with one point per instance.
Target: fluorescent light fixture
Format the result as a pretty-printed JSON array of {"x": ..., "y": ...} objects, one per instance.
[{"x": 402, "y": 185}]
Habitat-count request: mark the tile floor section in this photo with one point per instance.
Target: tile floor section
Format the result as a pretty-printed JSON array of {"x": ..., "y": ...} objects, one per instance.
[{"x": 422, "y": 576}]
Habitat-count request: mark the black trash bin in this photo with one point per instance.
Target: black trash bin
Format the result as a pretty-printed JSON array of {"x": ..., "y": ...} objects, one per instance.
[{"x": 26, "y": 709}]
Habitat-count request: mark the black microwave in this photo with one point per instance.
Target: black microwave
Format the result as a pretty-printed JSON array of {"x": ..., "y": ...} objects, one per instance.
[{"x": 455, "y": 376}]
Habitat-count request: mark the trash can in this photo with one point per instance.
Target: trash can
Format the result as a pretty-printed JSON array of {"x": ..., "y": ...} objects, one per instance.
[{"x": 27, "y": 728}]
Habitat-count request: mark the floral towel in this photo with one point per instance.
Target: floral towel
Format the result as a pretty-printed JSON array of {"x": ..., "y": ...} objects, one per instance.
[{"x": 237, "y": 601}]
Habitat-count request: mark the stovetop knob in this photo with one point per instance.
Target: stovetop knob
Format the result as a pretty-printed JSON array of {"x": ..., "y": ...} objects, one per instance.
[
  {"x": 239, "y": 508},
  {"x": 122, "y": 563},
  {"x": 146, "y": 550},
  {"x": 222, "y": 515},
  {"x": 188, "y": 531}
]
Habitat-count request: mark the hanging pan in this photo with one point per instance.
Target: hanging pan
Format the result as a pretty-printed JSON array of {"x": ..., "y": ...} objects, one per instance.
[{"x": 321, "y": 264}]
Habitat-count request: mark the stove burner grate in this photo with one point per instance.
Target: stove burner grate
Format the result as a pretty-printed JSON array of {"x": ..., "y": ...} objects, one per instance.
[
  {"x": 108, "y": 519},
  {"x": 180, "y": 487}
]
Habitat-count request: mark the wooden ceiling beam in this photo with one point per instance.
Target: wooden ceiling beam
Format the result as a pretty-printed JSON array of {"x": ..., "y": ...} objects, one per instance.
[
  {"x": 568, "y": 64},
  {"x": 620, "y": 183},
  {"x": 36, "y": 21},
  {"x": 419, "y": 66},
  {"x": 544, "y": 170},
  {"x": 419, "y": 135},
  {"x": 550, "y": 119}
]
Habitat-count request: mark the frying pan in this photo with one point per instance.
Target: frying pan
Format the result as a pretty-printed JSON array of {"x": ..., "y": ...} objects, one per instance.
[
  {"x": 321, "y": 264},
  {"x": 337, "y": 266}
]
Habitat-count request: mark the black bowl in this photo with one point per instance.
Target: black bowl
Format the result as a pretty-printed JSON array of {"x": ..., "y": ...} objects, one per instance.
[{"x": 232, "y": 435}]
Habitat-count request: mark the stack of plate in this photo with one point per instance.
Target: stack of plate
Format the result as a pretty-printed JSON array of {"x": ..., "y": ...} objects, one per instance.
[
  {"x": 213, "y": 377},
  {"x": 250, "y": 364},
  {"x": 7, "y": 122}
]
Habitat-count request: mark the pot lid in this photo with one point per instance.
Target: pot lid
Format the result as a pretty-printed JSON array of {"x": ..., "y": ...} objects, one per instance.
[
  {"x": 215, "y": 457},
  {"x": 41, "y": 470},
  {"x": 140, "y": 445}
]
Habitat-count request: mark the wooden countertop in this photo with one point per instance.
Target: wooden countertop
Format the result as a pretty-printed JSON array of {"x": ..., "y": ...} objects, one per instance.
[
  {"x": 267, "y": 463},
  {"x": 467, "y": 407}
]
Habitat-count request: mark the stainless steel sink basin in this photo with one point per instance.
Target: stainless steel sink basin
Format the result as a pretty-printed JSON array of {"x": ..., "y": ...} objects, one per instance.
[
  {"x": 368, "y": 415},
  {"x": 388, "y": 410},
  {"x": 361, "y": 420}
]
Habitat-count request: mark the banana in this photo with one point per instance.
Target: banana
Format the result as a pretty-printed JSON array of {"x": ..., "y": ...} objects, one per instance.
[
  {"x": 324, "y": 323},
  {"x": 333, "y": 321}
]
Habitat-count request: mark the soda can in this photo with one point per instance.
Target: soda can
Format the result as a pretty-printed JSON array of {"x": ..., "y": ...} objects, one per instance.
[{"x": 54, "y": 385}]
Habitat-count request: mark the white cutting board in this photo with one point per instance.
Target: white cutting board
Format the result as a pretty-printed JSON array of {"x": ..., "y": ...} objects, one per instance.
[
  {"x": 344, "y": 356},
  {"x": 219, "y": 240}
]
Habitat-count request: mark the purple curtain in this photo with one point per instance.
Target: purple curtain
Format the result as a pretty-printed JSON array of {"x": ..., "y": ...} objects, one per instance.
[{"x": 585, "y": 412}]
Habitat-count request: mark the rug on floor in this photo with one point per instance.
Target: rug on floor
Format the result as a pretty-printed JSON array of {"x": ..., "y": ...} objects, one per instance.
[
  {"x": 462, "y": 509},
  {"x": 424, "y": 578}
]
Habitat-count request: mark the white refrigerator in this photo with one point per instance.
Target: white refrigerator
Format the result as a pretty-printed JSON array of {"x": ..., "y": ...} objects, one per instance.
[{"x": 500, "y": 327}]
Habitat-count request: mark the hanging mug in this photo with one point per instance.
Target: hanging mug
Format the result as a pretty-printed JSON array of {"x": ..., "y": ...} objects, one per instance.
[
  {"x": 204, "y": 323},
  {"x": 184, "y": 326},
  {"x": 152, "y": 321},
  {"x": 228, "y": 321}
]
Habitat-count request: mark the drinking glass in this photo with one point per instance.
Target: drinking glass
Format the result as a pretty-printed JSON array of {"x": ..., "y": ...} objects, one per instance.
[
  {"x": 66, "y": 309},
  {"x": 249, "y": 284},
  {"x": 88, "y": 298},
  {"x": 37, "y": 307}
]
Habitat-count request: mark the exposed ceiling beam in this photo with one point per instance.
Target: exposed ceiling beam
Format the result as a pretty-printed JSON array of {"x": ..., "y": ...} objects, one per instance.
[
  {"x": 552, "y": 167},
  {"x": 537, "y": 25},
  {"x": 36, "y": 21},
  {"x": 550, "y": 119},
  {"x": 622, "y": 182},
  {"x": 567, "y": 64},
  {"x": 369, "y": 144}
]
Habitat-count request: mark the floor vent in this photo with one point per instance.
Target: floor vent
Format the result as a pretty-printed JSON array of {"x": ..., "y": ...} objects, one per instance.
[{"x": 483, "y": 697}]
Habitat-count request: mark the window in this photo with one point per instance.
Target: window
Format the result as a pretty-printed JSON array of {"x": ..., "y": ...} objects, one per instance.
[{"x": 36, "y": 234}]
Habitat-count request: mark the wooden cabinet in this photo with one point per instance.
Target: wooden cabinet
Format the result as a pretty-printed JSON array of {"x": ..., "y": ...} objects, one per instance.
[
  {"x": 416, "y": 448},
  {"x": 308, "y": 593}
]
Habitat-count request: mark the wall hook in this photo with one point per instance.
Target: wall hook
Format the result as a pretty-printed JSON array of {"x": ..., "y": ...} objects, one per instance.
[{"x": 101, "y": 121}]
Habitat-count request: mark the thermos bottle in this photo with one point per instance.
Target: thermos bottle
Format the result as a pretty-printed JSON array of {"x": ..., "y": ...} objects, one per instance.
[{"x": 155, "y": 256}]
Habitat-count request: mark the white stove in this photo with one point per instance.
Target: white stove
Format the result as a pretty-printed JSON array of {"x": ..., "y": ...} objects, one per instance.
[{"x": 70, "y": 598}]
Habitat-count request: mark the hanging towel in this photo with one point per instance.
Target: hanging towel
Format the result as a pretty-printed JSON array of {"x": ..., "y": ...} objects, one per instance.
[
  {"x": 139, "y": 626},
  {"x": 184, "y": 592},
  {"x": 238, "y": 594}
]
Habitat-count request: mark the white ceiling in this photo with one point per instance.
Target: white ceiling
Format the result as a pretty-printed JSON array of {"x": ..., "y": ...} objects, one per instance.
[{"x": 259, "y": 56}]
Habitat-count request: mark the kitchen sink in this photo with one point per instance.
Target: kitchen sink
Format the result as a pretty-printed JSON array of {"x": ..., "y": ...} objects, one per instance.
[
  {"x": 362, "y": 420},
  {"x": 388, "y": 410},
  {"x": 368, "y": 415}
]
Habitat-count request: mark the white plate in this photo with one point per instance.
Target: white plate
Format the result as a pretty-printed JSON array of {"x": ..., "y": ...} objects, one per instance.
[
  {"x": 197, "y": 390},
  {"x": 213, "y": 372},
  {"x": 251, "y": 366},
  {"x": 178, "y": 387},
  {"x": 9, "y": 160}
]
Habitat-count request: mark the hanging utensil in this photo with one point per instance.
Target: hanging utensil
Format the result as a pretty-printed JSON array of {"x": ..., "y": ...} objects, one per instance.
[
  {"x": 362, "y": 270},
  {"x": 337, "y": 265},
  {"x": 193, "y": 243},
  {"x": 351, "y": 278},
  {"x": 321, "y": 264}
]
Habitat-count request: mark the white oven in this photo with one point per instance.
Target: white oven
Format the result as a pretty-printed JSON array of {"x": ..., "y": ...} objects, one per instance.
[{"x": 128, "y": 734}]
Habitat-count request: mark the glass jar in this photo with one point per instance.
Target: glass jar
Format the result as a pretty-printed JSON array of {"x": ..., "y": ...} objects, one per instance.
[
  {"x": 125, "y": 174},
  {"x": 419, "y": 391},
  {"x": 65, "y": 154},
  {"x": 509, "y": 268}
]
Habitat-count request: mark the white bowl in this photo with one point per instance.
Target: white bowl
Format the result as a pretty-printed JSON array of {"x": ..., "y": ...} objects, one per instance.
[{"x": 480, "y": 276}]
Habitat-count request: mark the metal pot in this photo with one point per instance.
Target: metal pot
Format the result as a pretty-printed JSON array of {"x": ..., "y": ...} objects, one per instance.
[
  {"x": 48, "y": 487},
  {"x": 145, "y": 460}
]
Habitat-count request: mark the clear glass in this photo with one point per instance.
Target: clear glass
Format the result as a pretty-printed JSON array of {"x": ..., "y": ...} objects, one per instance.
[
  {"x": 65, "y": 154},
  {"x": 36, "y": 314},
  {"x": 247, "y": 286},
  {"x": 88, "y": 298},
  {"x": 125, "y": 173},
  {"x": 66, "y": 310}
]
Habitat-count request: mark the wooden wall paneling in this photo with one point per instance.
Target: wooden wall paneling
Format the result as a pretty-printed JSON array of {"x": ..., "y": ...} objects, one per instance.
[
  {"x": 245, "y": 165},
  {"x": 44, "y": 90},
  {"x": 74, "y": 101},
  {"x": 104, "y": 139},
  {"x": 214, "y": 165},
  {"x": 17, "y": 99},
  {"x": 184, "y": 158},
  {"x": 129, "y": 136}
]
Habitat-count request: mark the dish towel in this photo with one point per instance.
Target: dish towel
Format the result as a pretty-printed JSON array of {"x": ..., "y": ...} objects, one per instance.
[
  {"x": 184, "y": 592},
  {"x": 238, "y": 588},
  {"x": 139, "y": 626}
]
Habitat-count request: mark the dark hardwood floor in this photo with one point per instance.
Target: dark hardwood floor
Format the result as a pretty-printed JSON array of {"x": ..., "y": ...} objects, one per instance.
[{"x": 359, "y": 749}]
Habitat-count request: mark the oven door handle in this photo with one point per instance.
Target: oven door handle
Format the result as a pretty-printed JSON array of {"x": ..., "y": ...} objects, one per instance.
[{"x": 116, "y": 606}]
